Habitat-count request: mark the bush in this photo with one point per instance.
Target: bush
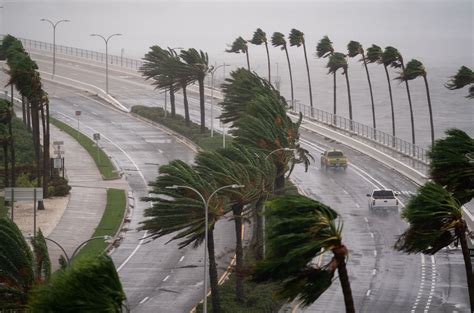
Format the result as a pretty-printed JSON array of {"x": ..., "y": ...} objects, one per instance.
[{"x": 58, "y": 187}]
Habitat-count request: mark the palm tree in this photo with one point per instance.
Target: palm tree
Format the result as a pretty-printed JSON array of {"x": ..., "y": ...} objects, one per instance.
[
  {"x": 338, "y": 61},
  {"x": 296, "y": 38},
  {"x": 301, "y": 229},
  {"x": 413, "y": 70},
  {"x": 242, "y": 166},
  {"x": 354, "y": 48},
  {"x": 278, "y": 40},
  {"x": 240, "y": 45},
  {"x": 464, "y": 77},
  {"x": 390, "y": 57},
  {"x": 5, "y": 135},
  {"x": 181, "y": 211},
  {"x": 260, "y": 37},
  {"x": 90, "y": 285},
  {"x": 197, "y": 68},
  {"x": 435, "y": 220},
  {"x": 410, "y": 106},
  {"x": 324, "y": 49},
  {"x": 450, "y": 167}
]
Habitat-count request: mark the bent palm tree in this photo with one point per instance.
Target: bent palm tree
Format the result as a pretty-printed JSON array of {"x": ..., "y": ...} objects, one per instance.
[
  {"x": 278, "y": 40},
  {"x": 354, "y": 48},
  {"x": 260, "y": 37},
  {"x": 435, "y": 221},
  {"x": 338, "y": 61},
  {"x": 390, "y": 57},
  {"x": 197, "y": 68},
  {"x": 464, "y": 77},
  {"x": 296, "y": 38},
  {"x": 413, "y": 70},
  {"x": 181, "y": 211},
  {"x": 240, "y": 45},
  {"x": 300, "y": 230},
  {"x": 324, "y": 49}
]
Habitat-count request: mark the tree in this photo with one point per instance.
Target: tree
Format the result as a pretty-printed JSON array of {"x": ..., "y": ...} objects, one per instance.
[
  {"x": 6, "y": 135},
  {"x": 181, "y": 211},
  {"x": 90, "y": 285},
  {"x": 301, "y": 229},
  {"x": 450, "y": 166},
  {"x": 260, "y": 37},
  {"x": 464, "y": 77},
  {"x": 296, "y": 38},
  {"x": 278, "y": 40},
  {"x": 240, "y": 45},
  {"x": 242, "y": 166},
  {"x": 197, "y": 67},
  {"x": 435, "y": 221},
  {"x": 324, "y": 49},
  {"x": 354, "y": 48},
  {"x": 337, "y": 61},
  {"x": 390, "y": 57},
  {"x": 413, "y": 70}
]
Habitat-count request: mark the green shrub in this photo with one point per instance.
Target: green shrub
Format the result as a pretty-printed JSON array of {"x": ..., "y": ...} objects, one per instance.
[
  {"x": 58, "y": 187},
  {"x": 24, "y": 180}
]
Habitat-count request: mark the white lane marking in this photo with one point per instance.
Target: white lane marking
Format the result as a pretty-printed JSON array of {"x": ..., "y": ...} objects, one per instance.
[
  {"x": 345, "y": 191},
  {"x": 368, "y": 293},
  {"x": 166, "y": 278},
  {"x": 375, "y": 253},
  {"x": 75, "y": 104},
  {"x": 357, "y": 205},
  {"x": 133, "y": 252},
  {"x": 366, "y": 219},
  {"x": 181, "y": 259},
  {"x": 95, "y": 113},
  {"x": 144, "y": 300},
  {"x": 372, "y": 235},
  {"x": 374, "y": 271}
]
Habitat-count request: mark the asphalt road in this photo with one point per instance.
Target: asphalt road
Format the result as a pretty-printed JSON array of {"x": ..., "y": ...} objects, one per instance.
[{"x": 160, "y": 278}]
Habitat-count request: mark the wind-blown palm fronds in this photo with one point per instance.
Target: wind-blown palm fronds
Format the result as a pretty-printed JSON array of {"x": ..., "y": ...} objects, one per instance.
[
  {"x": 297, "y": 39},
  {"x": 278, "y": 40},
  {"x": 337, "y": 61},
  {"x": 260, "y": 37},
  {"x": 464, "y": 77},
  {"x": 240, "y": 46}
]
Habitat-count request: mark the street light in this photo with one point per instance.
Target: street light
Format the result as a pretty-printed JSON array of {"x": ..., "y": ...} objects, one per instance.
[
  {"x": 54, "y": 39},
  {"x": 206, "y": 207},
  {"x": 212, "y": 95},
  {"x": 106, "y": 58},
  {"x": 106, "y": 238}
]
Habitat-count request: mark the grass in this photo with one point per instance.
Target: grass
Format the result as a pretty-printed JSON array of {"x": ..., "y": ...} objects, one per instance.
[
  {"x": 177, "y": 124},
  {"x": 105, "y": 166},
  {"x": 109, "y": 224}
]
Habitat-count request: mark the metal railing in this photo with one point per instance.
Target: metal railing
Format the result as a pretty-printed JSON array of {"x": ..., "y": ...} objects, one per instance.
[
  {"x": 83, "y": 53},
  {"x": 365, "y": 132}
]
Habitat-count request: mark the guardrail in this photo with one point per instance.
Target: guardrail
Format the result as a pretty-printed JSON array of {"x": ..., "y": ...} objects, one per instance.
[
  {"x": 83, "y": 53},
  {"x": 364, "y": 131}
]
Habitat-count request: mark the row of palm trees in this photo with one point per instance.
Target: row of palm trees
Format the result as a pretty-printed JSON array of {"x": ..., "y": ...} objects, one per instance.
[
  {"x": 257, "y": 161},
  {"x": 24, "y": 77},
  {"x": 389, "y": 57}
]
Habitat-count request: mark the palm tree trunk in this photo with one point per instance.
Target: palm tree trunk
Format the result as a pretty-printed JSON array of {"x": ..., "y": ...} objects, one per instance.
[
  {"x": 279, "y": 180},
  {"x": 248, "y": 59},
  {"x": 186, "y": 106},
  {"x": 411, "y": 109},
  {"x": 259, "y": 253},
  {"x": 216, "y": 305},
  {"x": 268, "y": 61},
  {"x": 173, "y": 103},
  {"x": 309, "y": 79},
  {"x": 28, "y": 114},
  {"x": 429, "y": 108},
  {"x": 461, "y": 232},
  {"x": 12, "y": 149},
  {"x": 371, "y": 93},
  {"x": 36, "y": 144},
  {"x": 239, "y": 253},
  {"x": 46, "y": 160},
  {"x": 201, "y": 104},
  {"x": 291, "y": 77},
  {"x": 334, "y": 95},
  {"x": 5, "y": 162},
  {"x": 349, "y": 97},
  {"x": 23, "y": 109},
  {"x": 391, "y": 102},
  {"x": 340, "y": 255}
]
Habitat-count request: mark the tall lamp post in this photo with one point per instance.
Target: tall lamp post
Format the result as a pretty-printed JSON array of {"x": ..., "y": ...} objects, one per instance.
[
  {"x": 54, "y": 24},
  {"x": 69, "y": 259},
  {"x": 106, "y": 40},
  {"x": 212, "y": 95},
  {"x": 206, "y": 210}
]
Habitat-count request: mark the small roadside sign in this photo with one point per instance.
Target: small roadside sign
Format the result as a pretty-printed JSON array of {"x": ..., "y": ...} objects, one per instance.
[
  {"x": 59, "y": 152},
  {"x": 58, "y": 143},
  {"x": 78, "y": 113},
  {"x": 23, "y": 193},
  {"x": 57, "y": 163},
  {"x": 96, "y": 136}
]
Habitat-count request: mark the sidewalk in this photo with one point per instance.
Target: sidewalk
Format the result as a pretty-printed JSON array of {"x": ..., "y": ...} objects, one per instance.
[{"x": 87, "y": 199}]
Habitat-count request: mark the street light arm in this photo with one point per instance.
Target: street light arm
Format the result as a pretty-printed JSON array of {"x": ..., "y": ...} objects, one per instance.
[
  {"x": 108, "y": 38},
  {"x": 60, "y": 247},
  {"x": 223, "y": 187},
  {"x": 82, "y": 244},
  {"x": 97, "y": 35}
]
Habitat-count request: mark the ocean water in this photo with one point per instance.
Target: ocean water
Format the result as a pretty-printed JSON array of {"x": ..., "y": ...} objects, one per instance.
[{"x": 439, "y": 33}]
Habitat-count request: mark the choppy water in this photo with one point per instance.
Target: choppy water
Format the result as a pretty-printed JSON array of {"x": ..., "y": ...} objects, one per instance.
[{"x": 437, "y": 32}]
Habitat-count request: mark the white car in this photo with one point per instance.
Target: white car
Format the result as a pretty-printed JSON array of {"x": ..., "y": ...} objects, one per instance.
[{"x": 383, "y": 200}]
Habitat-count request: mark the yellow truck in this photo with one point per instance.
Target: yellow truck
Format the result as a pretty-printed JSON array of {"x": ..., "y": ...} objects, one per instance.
[{"x": 333, "y": 158}]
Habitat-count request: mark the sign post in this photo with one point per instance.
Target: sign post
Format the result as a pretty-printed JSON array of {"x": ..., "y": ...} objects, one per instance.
[
  {"x": 18, "y": 194},
  {"x": 78, "y": 115},
  {"x": 97, "y": 138}
]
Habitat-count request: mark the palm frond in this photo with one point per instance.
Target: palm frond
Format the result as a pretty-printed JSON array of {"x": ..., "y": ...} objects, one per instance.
[
  {"x": 354, "y": 48},
  {"x": 296, "y": 38},
  {"x": 464, "y": 77},
  {"x": 337, "y": 61},
  {"x": 239, "y": 45},
  {"x": 374, "y": 54},
  {"x": 413, "y": 69},
  {"x": 259, "y": 37},
  {"x": 324, "y": 47},
  {"x": 278, "y": 40}
]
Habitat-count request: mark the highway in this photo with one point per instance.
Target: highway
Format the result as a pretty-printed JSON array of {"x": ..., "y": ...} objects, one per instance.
[{"x": 161, "y": 278}]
